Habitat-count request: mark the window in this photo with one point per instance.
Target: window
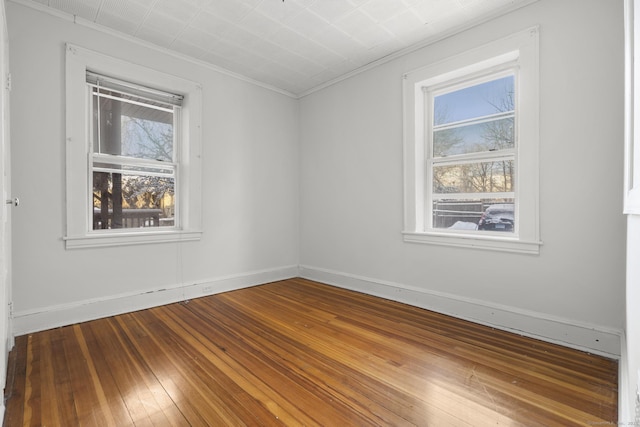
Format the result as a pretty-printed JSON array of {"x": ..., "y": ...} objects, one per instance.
[
  {"x": 471, "y": 154},
  {"x": 133, "y": 162},
  {"x": 471, "y": 142},
  {"x": 133, "y": 153}
]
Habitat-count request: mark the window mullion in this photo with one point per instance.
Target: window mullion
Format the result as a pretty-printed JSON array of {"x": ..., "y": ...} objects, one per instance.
[
  {"x": 461, "y": 159},
  {"x": 476, "y": 120},
  {"x": 471, "y": 196},
  {"x": 131, "y": 161},
  {"x": 134, "y": 172}
]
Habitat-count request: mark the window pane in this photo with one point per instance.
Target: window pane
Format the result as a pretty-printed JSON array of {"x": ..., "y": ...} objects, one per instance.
[
  {"x": 132, "y": 201},
  {"x": 133, "y": 127},
  {"x": 484, "y": 99},
  {"x": 476, "y": 214},
  {"x": 474, "y": 119},
  {"x": 490, "y": 135},
  {"x": 481, "y": 177}
]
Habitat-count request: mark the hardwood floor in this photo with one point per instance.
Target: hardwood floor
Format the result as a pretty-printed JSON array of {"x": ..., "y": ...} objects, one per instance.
[{"x": 299, "y": 353}]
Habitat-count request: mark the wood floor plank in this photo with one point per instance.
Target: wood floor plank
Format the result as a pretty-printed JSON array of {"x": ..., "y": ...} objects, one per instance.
[
  {"x": 246, "y": 367},
  {"x": 334, "y": 352},
  {"x": 269, "y": 345},
  {"x": 32, "y": 383},
  {"x": 266, "y": 343},
  {"x": 59, "y": 384},
  {"x": 16, "y": 382},
  {"x": 176, "y": 369},
  {"x": 297, "y": 352},
  {"x": 146, "y": 401},
  {"x": 560, "y": 380},
  {"x": 106, "y": 407}
]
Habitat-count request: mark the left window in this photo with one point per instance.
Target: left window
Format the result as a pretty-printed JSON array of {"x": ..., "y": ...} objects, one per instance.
[
  {"x": 133, "y": 165},
  {"x": 133, "y": 136}
]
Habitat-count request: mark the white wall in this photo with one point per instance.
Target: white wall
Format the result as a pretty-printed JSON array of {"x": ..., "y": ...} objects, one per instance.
[
  {"x": 351, "y": 187},
  {"x": 250, "y": 164}
]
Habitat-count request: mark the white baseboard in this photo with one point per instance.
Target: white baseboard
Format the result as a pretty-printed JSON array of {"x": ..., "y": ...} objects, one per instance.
[
  {"x": 594, "y": 339},
  {"x": 29, "y": 321},
  {"x": 585, "y": 337}
]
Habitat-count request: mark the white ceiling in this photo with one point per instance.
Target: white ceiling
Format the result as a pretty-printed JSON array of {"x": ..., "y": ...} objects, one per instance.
[{"x": 292, "y": 45}]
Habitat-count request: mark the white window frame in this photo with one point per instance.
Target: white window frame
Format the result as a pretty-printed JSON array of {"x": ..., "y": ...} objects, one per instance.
[
  {"x": 632, "y": 109},
  {"x": 79, "y": 230},
  {"x": 520, "y": 51}
]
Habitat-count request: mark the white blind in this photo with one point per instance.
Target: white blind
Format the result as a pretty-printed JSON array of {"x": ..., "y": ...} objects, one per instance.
[{"x": 128, "y": 88}]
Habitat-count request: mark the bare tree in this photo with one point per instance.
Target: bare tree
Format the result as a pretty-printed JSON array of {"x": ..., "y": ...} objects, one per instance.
[
  {"x": 444, "y": 140},
  {"x": 499, "y": 135},
  {"x": 148, "y": 140}
]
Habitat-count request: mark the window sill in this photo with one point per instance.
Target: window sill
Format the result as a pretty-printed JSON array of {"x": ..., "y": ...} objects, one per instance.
[
  {"x": 476, "y": 242},
  {"x": 99, "y": 240}
]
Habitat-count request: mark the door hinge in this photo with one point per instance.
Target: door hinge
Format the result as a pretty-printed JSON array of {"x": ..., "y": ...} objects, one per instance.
[{"x": 7, "y": 85}]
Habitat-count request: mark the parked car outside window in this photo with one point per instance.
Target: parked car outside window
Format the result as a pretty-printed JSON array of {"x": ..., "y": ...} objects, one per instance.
[{"x": 499, "y": 217}]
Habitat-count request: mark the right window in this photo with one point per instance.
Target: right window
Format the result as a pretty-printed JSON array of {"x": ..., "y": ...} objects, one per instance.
[
  {"x": 471, "y": 148},
  {"x": 471, "y": 154}
]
